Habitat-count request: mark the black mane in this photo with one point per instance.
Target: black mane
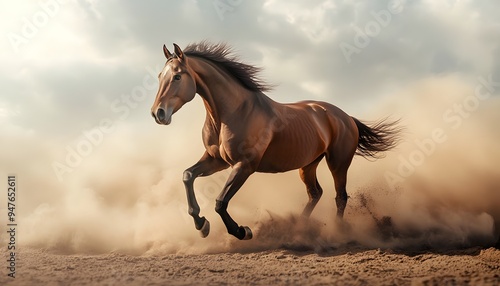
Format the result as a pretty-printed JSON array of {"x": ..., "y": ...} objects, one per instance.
[{"x": 222, "y": 55}]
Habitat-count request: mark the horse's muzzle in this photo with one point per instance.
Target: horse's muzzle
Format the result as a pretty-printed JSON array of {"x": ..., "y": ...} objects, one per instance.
[{"x": 163, "y": 116}]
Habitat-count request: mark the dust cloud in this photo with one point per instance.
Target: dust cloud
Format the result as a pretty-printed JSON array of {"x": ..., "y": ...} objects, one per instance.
[{"x": 439, "y": 189}]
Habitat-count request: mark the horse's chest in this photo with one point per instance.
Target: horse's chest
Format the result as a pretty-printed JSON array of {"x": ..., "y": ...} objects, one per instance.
[
  {"x": 211, "y": 142},
  {"x": 233, "y": 148},
  {"x": 217, "y": 146},
  {"x": 222, "y": 151},
  {"x": 238, "y": 141}
]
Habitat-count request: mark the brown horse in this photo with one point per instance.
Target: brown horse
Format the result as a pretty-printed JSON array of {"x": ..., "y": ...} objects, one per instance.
[{"x": 248, "y": 131}]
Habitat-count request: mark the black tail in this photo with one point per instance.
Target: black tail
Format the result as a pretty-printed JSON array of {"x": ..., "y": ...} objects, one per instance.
[{"x": 381, "y": 136}]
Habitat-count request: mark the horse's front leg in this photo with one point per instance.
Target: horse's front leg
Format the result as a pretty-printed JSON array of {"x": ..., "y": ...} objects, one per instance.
[
  {"x": 237, "y": 178},
  {"x": 206, "y": 166}
]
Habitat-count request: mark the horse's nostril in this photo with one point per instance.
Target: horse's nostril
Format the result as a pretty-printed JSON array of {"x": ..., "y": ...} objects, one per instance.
[
  {"x": 160, "y": 114},
  {"x": 153, "y": 114}
]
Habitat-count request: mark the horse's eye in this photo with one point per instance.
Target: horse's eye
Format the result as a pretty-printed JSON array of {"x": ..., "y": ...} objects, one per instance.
[{"x": 177, "y": 77}]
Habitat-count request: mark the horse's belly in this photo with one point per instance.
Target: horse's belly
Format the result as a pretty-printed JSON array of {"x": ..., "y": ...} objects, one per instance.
[
  {"x": 288, "y": 156},
  {"x": 278, "y": 167}
]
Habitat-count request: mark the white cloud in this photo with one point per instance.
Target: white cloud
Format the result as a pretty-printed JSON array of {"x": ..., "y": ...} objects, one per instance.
[
  {"x": 312, "y": 19},
  {"x": 316, "y": 88}
]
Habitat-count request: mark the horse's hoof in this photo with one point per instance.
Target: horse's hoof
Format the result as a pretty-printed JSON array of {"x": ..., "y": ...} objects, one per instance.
[
  {"x": 205, "y": 229},
  {"x": 248, "y": 233}
]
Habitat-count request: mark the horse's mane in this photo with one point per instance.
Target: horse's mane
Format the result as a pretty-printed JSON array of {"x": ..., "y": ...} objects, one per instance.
[{"x": 223, "y": 56}]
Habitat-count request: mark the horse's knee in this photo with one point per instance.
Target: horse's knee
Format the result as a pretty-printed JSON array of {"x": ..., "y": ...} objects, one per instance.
[
  {"x": 220, "y": 206},
  {"x": 193, "y": 211},
  {"x": 187, "y": 177}
]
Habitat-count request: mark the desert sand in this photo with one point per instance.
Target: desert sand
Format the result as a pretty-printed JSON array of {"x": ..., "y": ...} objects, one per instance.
[
  {"x": 366, "y": 249},
  {"x": 349, "y": 264}
]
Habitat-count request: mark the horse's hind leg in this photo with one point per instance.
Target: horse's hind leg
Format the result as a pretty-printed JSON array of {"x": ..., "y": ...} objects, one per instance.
[
  {"x": 340, "y": 178},
  {"x": 339, "y": 173},
  {"x": 308, "y": 176}
]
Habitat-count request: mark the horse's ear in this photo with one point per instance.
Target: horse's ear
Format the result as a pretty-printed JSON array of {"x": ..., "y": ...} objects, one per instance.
[
  {"x": 167, "y": 53},
  {"x": 178, "y": 52}
]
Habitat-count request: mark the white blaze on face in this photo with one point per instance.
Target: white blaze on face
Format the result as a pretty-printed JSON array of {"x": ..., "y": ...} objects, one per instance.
[{"x": 165, "y": 70}]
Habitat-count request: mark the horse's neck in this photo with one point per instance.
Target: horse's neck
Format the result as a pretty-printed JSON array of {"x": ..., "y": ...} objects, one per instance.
[{"x": 221, "y": 93}]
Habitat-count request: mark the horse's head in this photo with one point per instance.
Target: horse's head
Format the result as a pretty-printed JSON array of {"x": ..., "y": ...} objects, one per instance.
[{"x": 177, "y": 86}]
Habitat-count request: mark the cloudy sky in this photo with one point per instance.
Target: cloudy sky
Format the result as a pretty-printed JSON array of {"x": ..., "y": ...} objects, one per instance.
[
  {"x": 85, "y": 70},
  {"x": 65, "y": 63}
]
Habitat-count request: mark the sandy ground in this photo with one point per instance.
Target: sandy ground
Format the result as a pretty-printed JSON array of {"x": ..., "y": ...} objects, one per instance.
[{"x": 348, "y": 265}]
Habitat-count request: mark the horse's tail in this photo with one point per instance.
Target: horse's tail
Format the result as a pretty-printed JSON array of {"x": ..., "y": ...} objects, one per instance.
[{"x": 381, "y": 136}]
